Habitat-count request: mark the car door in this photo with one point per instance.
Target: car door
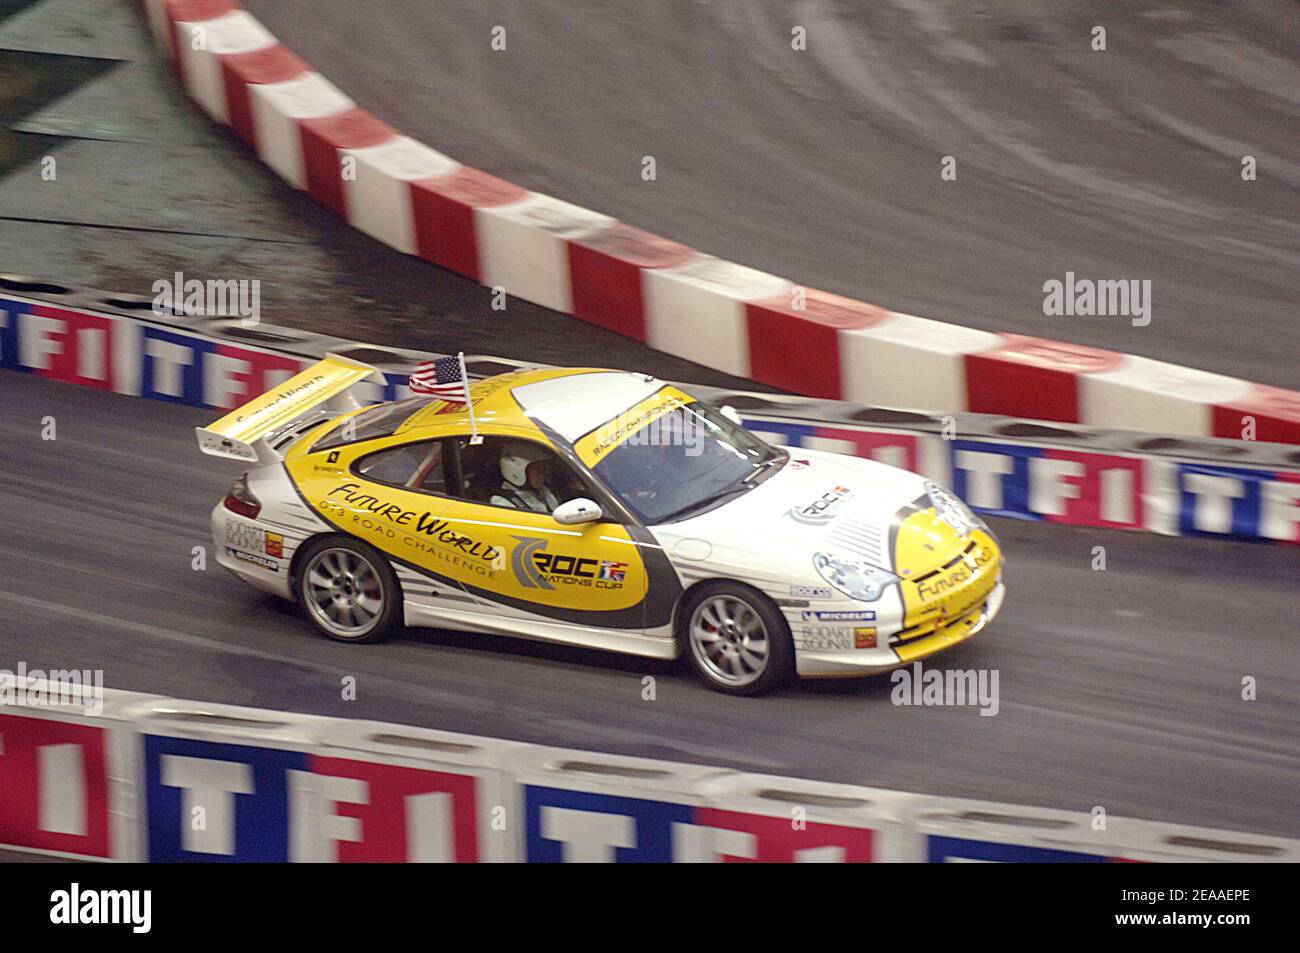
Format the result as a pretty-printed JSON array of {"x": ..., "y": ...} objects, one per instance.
[
  {"x": 392, "y": 495},
  {"x": 591, "y": 574}
]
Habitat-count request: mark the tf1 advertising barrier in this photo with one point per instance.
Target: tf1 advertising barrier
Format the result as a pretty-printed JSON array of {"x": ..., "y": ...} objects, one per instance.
[
  {"x": 142, "y": 778},
  {"x": 1025, "y": 479}
]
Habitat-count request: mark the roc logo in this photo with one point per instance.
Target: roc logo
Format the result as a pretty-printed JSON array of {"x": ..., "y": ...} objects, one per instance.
[
  {"x": 536, "y": 568},
  {"x": 823, "y": 509},
  {"x": 521, "y": 562}
]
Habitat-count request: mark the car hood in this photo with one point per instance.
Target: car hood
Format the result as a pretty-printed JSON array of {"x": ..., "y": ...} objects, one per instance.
[{"x": 819, "y": 502}]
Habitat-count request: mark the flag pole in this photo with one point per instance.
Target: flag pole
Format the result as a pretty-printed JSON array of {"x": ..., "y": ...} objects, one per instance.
[{"x": 474, "y": 438}]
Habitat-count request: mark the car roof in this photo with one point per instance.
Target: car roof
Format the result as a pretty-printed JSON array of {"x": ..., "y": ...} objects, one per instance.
[{"x": 565, "y": 401}]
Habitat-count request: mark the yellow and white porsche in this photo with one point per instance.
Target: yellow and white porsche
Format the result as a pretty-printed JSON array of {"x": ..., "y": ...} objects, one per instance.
[{"x": 596, "y": 508}]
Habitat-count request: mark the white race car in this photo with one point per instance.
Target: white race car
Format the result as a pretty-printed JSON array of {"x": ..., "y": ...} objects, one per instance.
[{"x": 596, "y": 508}]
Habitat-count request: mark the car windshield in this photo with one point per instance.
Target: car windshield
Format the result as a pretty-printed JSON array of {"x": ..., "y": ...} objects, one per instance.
[{"x": 684, "y": 461}]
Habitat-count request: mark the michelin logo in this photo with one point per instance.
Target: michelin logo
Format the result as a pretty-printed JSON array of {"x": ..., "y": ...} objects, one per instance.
[
  {"x": 850, "y": 616},
  {"x": 256, "y": 560}
]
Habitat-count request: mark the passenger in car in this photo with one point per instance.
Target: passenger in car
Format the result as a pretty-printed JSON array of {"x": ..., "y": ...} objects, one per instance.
[{"x": 526, "y": 473}]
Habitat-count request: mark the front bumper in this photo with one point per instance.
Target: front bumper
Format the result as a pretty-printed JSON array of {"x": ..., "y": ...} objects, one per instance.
[{"x": 818, "y": 664}]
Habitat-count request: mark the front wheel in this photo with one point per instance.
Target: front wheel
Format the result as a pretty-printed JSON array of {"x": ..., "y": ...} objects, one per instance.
[
  {"x": 736, "y": 639},
  {"x": 348, "y": 590}
]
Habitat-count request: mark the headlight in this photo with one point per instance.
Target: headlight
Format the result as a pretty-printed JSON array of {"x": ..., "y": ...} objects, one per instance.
[
  {"x": 952, "y": 510},
  {"x": 854, "y": 578}
]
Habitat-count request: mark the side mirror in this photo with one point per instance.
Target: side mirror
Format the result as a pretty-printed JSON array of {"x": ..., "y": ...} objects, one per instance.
[
  {"x": 731, "y": 414},
  {"x": 581, "y": 510}
]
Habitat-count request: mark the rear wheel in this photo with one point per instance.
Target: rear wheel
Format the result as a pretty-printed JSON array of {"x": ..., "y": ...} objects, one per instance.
[
  {"x": 348, "y": 590},
  {"x": 737, "y": 640}
]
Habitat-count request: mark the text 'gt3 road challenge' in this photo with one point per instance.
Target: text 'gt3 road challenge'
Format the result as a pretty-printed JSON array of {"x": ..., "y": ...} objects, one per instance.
[{"x": 675, "y": 432}]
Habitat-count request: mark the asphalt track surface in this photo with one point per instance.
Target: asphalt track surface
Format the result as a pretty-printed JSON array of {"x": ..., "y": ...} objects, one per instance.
[
  {"x": 823, "y": 165},
  {"x": 1118, "y": 688}
]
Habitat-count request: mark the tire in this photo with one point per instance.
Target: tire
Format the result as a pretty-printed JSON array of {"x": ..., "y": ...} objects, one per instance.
[
  {"x": 348, "y": 590},
  {"x": 722, "y": 626}
]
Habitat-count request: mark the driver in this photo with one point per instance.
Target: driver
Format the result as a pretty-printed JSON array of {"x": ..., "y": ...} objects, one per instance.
[{"x": 526, "y": 473}]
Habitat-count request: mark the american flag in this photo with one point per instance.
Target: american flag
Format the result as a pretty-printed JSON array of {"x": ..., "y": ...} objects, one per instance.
[{"x": 442, "y": 378}]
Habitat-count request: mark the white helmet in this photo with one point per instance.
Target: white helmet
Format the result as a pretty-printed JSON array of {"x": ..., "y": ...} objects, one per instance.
[{"x": 515, "y": 460}]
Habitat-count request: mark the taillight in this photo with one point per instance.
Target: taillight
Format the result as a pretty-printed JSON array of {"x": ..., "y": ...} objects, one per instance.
[{"x": 239, "y": 499}]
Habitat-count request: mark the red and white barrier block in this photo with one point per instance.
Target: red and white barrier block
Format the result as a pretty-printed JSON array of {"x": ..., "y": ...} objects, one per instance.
[
  {"x": 700, "y": 308},
  {"x": 524, "y": 247},
  {"x": 607, "y": 274},
  {"x": 717, "y": 313}
]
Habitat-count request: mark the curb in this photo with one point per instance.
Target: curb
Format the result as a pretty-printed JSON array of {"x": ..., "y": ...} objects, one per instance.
[{"x": 724, "y": 315}]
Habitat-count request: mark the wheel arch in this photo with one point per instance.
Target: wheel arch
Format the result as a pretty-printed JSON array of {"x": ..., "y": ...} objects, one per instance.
[
  {"x": 295, "y": 564},
  {"x": 687, "y": 594}
]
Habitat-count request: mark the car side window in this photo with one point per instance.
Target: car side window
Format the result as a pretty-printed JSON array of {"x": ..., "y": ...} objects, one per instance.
[
  {"x": 413, "y": 466},
  {"x": 500, "y": 471},
  {"x": 377, "y": 420}
]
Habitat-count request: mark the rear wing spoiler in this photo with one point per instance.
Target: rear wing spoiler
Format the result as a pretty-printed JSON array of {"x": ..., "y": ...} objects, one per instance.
[{"x": 247, "y": 431}]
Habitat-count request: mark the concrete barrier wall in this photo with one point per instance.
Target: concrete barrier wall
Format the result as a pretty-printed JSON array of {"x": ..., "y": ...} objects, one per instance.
[{"x": 161, "y": 780}]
